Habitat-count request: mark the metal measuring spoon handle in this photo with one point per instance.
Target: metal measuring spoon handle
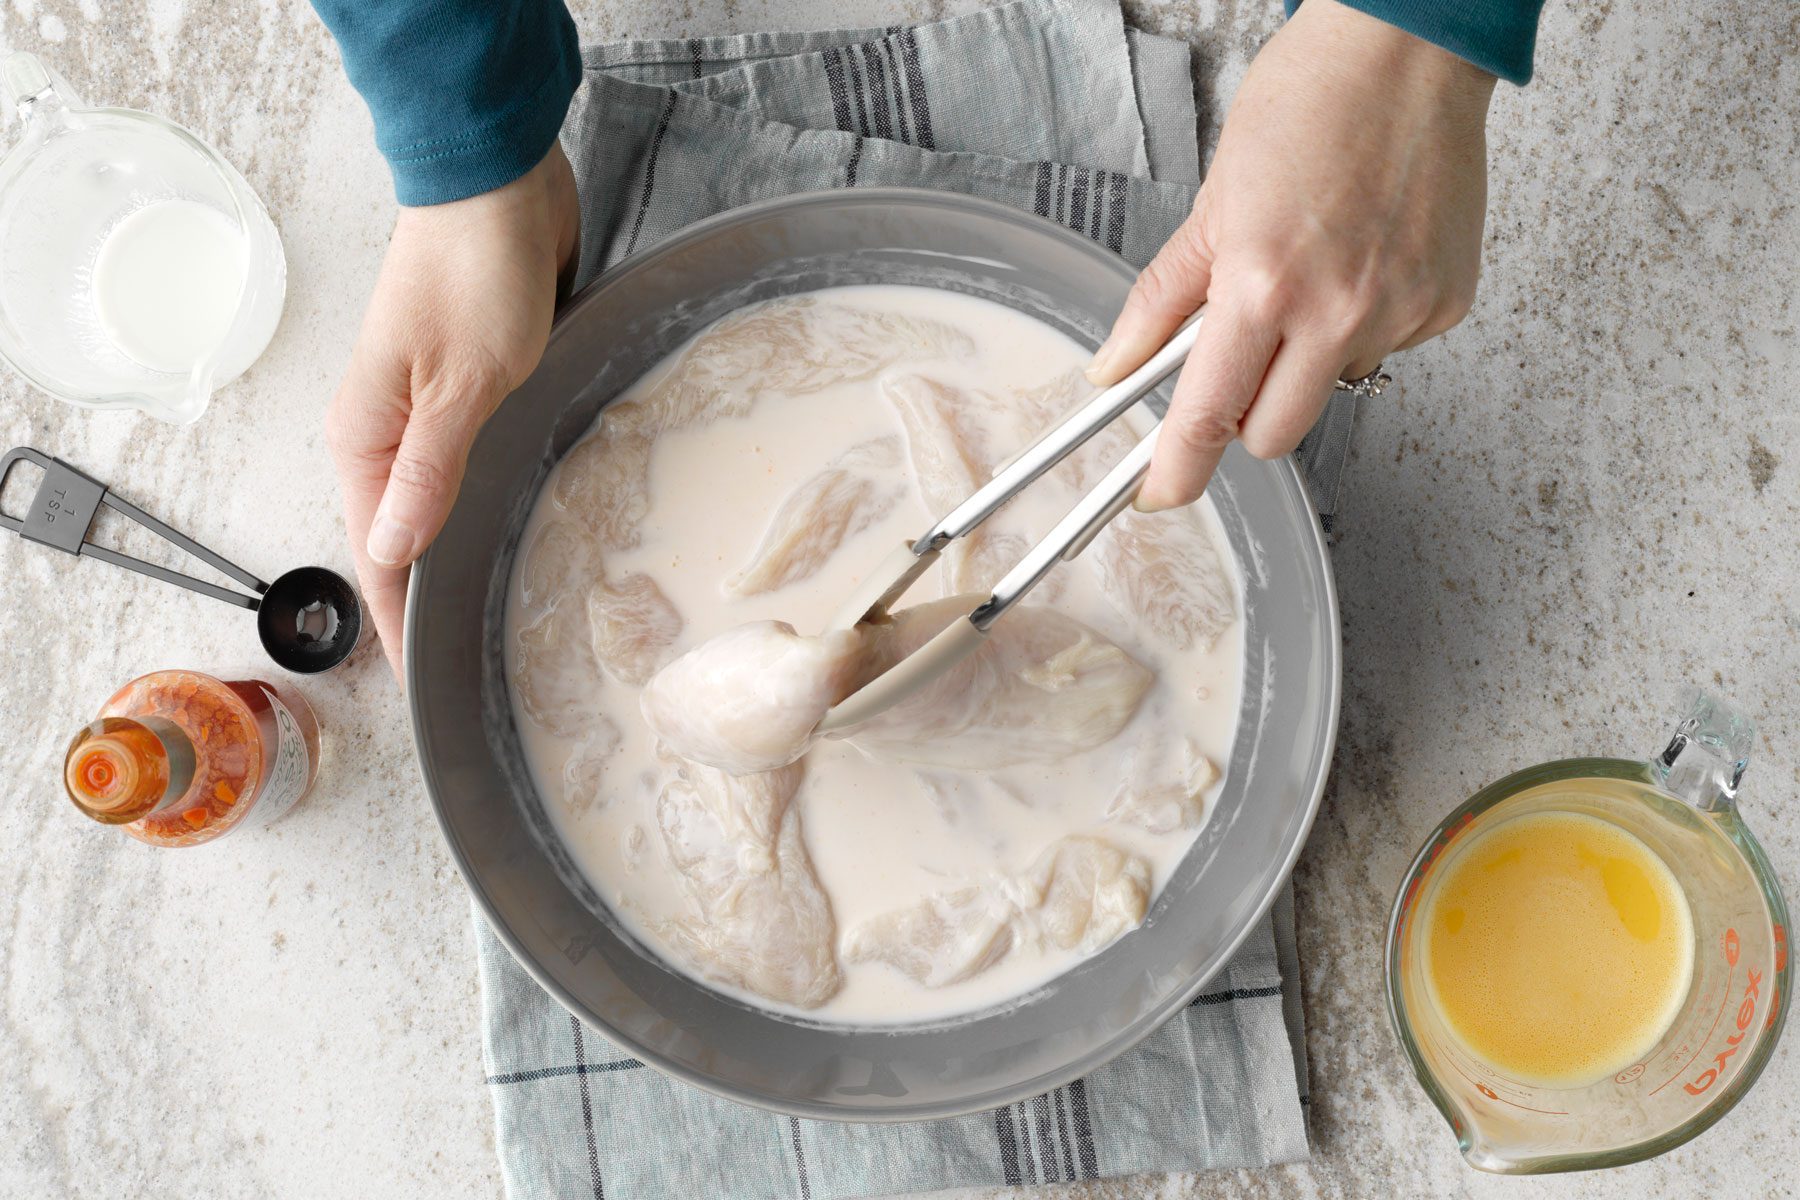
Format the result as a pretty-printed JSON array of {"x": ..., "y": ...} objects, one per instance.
[
  {"x": 308, "y": 620},
  {"x": 65, "y": 506}
]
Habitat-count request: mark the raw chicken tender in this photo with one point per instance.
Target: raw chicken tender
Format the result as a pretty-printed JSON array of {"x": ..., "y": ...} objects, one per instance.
[
  {"x": 950, "y": 453},
  {"x": 604, "y": 483},
  {"x": 951, "y": 457},
  {"x": 557, "y": 679},
  {"x": 1081, "y": 894},
  {"x": 1163, "y": 569},
  {"x": 634, "y": 627},
  {"x": 584, "y": 773},
  {"x": 1042, "y": 686},
  {"x": 1159, "y": 568},
  {"x": 840, "y": 501},
  {"x": 749, "y": 699},
  {"x": 763, "y": 922},
  {"x": 556, "y": 562},
  {"x": 942, "y": 939},
  {"x": 1085, "y": 892},
  {"x": 789, "y": 346},
  {"x": 1161, "y": 796},
  {"x": 792, "y": 346}
]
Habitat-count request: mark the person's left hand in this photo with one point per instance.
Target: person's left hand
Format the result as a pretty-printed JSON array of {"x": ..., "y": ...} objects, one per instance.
[{"x": 460, "y": 316}]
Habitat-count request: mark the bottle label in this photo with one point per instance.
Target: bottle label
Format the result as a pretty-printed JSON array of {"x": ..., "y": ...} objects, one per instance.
[{"x": 287, "y": 777}]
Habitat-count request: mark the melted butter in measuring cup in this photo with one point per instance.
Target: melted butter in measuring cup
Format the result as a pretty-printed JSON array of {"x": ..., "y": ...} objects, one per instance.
[{"x": 166, "y": 283}]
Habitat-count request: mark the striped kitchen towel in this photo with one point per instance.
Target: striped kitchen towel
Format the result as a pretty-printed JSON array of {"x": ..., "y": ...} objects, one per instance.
[{"x": 1055, "y": 107}]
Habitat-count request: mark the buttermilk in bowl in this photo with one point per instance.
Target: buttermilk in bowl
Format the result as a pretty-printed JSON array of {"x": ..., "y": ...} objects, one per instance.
[{"x": 668, "y": 657}]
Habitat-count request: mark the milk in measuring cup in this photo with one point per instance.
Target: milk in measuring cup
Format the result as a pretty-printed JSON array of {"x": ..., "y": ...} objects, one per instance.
[
  {"x": 166, "y": 283},
  {"x": 137, "y": 268}
]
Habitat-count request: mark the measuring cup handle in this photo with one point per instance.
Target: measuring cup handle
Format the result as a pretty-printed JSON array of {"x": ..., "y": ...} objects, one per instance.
[
  {"x": 41, "y": 98},
  {"x": 1707, "y": 754}
]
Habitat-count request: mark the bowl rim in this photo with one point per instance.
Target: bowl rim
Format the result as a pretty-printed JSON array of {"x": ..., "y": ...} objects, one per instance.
[{"x": 1077, "y": 1068}]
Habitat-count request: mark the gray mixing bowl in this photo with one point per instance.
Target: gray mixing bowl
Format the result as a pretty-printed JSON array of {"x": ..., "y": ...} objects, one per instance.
[{"x": 551, "y": 919}]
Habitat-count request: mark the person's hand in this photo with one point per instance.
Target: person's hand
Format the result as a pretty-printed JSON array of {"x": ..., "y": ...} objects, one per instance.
[
  {"x": 1340, "y": 220},
  {"x": 460, "y": 316}
]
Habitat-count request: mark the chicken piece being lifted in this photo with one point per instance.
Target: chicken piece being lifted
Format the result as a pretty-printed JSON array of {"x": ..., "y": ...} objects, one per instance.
[
  {"x": 1041, "y": 686},
  {"x": 749, "y": 699},
  {"x": 762, "y": 923},
  {"x": 1081, "y": 894},
  {"x": 848, "y": 496}
]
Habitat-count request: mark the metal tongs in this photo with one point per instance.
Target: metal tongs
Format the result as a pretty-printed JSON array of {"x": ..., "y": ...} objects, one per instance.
[{"x": 1068, "y": 538}]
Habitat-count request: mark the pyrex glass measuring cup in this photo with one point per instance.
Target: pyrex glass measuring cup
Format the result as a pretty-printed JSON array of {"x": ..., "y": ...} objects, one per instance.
[
  {"x": 1682, "y": 804},
  {"x": 137, "y": 268}
]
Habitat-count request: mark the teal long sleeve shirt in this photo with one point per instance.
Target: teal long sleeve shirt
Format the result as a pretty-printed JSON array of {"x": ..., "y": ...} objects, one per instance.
[
  {"x": 468, "y": 95},
  {"x": 1499, "y": 36}
]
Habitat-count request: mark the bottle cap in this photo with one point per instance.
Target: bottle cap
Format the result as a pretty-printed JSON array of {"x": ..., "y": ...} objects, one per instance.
[{"x": 118, "y": 770}]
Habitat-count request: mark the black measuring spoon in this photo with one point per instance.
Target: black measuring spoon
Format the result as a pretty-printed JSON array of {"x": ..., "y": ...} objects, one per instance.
[{"x": 309, "y": 619}]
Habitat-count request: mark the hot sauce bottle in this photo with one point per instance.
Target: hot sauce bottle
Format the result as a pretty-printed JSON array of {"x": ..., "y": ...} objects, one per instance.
[{"x": 179, "y": 758}]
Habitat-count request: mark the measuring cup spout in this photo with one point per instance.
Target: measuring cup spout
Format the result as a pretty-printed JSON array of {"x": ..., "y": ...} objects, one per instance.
[
  {"x": 186, "y": 403},
  {"x": 1707, "y": 754}
]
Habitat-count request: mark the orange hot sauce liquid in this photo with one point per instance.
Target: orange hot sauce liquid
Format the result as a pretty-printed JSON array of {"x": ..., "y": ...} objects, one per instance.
[{"x": 232, "y": 727}]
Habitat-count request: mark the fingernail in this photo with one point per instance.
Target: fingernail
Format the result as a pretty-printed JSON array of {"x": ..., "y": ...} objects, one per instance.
[
  {"x": 1149, "y": 500},
  {"x": 1149, "y": 506},
  {"x": 390, "y": 542},
  {"x": 1103, "y": 359}
]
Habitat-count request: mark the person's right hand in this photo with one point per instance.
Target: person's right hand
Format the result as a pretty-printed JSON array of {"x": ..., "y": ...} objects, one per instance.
[
  {"x": 1340, "y": 220},
  {"x": 459, "y": 317}
]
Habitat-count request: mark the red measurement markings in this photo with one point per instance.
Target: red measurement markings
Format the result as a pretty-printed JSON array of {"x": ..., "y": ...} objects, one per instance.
[
  {"x": 1746, "y": 1013},
  {"x": 1775, "y": 985},
  {"x": 1491, "y": 1094},
  {"x": 1731, "y": 957},
  {"x": 1438, "y": 845}
]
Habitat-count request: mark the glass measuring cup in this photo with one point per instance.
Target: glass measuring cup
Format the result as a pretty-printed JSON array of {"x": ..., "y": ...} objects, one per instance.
[
  {"x": 1682, "y": 804},
  {"x": 74, "y": 178}
]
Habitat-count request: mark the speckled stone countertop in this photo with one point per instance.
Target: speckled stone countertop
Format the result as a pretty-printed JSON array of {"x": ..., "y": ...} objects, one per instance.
[{"x": 1579, "y": 500}]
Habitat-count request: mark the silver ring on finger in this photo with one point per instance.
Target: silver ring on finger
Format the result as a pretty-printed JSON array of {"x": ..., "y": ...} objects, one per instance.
[{"x": 1367, "y": 386}]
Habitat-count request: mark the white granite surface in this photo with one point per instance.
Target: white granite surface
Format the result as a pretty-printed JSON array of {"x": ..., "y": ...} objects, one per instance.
[{"x": 1574, "y": 503}]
